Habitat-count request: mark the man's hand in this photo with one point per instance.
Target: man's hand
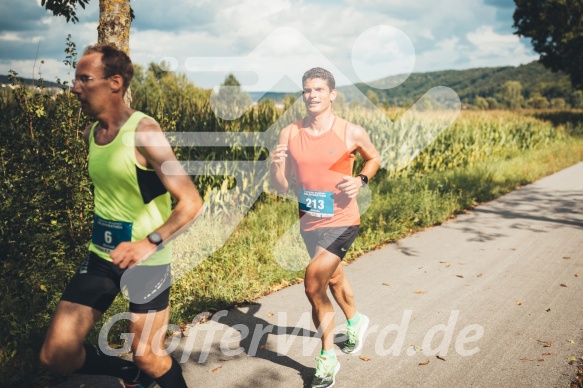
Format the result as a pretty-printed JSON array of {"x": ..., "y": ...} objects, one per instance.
[
  {"x": 128, "y": 254},
  {"x": 350, "y": 185},
  {"x": 278, "y": 156}
]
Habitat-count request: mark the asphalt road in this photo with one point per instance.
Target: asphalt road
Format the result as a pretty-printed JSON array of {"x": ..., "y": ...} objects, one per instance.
[{"x": 495, "y": 293}]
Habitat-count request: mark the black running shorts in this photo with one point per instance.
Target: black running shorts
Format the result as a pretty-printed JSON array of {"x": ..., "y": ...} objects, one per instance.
[
  {"x": 336, "y": 240},
  {"x": 98, "y": 281}
]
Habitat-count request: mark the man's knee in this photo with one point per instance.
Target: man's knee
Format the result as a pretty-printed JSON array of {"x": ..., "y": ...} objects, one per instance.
[
  {"x": 314, "y": 290},
  {"x": 58, "y": 359},
  {"x": 150, "y": 362},
  {"x": 46, "y": 358}
]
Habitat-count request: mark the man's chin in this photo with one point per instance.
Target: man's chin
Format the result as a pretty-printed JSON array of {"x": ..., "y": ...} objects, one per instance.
[{"x": 85, "y": 109}]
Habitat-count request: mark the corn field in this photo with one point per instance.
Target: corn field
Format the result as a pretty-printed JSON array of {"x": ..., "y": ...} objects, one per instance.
[{"x": 409, "y": 144}]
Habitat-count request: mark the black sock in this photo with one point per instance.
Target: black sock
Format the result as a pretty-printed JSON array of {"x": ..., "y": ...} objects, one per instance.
[
  {"x": 173, "y": 378},
  {"x": 97, "y": 363}
]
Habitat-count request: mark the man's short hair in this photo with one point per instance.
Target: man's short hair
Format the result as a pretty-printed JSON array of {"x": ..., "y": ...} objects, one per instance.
[
  {"x": 318, "y": 72},
  {"x": 114, "y": 60}
]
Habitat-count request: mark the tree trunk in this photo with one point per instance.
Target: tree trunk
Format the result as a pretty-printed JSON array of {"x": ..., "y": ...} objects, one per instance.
[{"x": 114, "y": 27}]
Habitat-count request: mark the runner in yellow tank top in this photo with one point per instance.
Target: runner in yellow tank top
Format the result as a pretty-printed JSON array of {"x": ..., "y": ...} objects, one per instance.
[
  {"x": 319, "y": 151},
  {"x": 133, "y": 222}
]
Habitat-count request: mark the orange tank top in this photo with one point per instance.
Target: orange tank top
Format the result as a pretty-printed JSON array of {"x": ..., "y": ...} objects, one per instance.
[{"x": 319, "y": 163}]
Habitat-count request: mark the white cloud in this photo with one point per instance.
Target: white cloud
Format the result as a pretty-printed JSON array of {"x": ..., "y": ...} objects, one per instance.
[
  {"x": 489, "y": 42},
  {"x": 491, "y": 48},
  {"x": 447, "y": 34},
  {"x": 444, "y": 55},
  {"x": 10, "y": 36},
  {"x": 49, "y": 70}
]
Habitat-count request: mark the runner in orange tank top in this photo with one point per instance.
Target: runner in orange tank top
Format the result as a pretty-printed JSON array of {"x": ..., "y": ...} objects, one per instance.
[{"x": 319, "y": 151}]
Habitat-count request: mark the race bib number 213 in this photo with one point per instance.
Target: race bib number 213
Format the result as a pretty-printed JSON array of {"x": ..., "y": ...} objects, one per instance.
[{"x": 317, "y": 203}]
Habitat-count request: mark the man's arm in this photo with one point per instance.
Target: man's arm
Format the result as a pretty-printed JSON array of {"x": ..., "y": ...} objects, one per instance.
[
  {"x": 280, "y": 168},
  {"x": 178, "y": 184},
  {"x": 359, "y": 141}
]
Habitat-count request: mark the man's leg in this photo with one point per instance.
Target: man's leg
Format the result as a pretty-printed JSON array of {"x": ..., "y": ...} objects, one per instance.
[
  {"x": 342, "y": 292},
  {"x": 63, "y": 349},
  {"x": 357, "y": 323},
  {"x": 318, "y": 275},
  {"x": 149, "y": 331}
]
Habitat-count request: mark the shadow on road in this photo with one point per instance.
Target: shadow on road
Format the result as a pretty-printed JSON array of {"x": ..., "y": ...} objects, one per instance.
[{"x": 254, "y": 332}]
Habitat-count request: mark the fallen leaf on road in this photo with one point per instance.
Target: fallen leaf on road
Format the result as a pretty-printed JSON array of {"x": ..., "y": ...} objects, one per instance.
[
  {"x": 571, "y": 341},
  {"x": 541, "y": 359},
  {"x": 576, "y": 274},
  {"x": 519, "y": 303},
  {"x": 563, "y": 285},
  {"x": 442, "y": 262},
  {"x": 547, "y": 354},
  {"x": 217, "y": 368},
  {"x": 480, "y": 275},
  {"x": 460, "y": 276},
  {"x": 386, "y": 284},
  {"x": 364, "y": 358},
  {"x": 447, "y": 266},
  {"x": 572, "y": 360},
  {"x": 549, "y": 310},
  {"x": 201, "y": 318},
  {"x": 420, "y": 292},
  {"x": 546, "y": 344},
  {"x": 270, "y": 315},
  {"x": 440, "y": 358},
  {"x": 526, "y": 359},
  {"x": 566, "y": 257},
  {"x": 424, "y": 362}
]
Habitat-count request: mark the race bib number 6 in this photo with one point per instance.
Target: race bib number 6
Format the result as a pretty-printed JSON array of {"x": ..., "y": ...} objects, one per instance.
[
  {"x": 317, "y": 203},
  {"x": 108, "y": 234}
]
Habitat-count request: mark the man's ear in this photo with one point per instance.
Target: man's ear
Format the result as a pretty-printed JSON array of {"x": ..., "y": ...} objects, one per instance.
[
  {"x": 333, "y": 94},
  {"x": 116, "y": 82}
]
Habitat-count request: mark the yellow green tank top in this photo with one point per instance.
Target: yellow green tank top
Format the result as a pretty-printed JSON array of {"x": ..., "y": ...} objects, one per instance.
[{"x": 130, "y": 200}]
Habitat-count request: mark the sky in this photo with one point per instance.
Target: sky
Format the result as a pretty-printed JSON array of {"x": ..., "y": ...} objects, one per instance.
[{"x": 268, "y": 44}]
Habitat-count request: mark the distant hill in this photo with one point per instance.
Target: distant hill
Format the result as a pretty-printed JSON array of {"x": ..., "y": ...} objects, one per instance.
[
  {"x": 468, "y": 84},
  {"x": 273, "y": 96},
  {"x": 28, "y": 81},
  {"x": 484, "y": 82}
]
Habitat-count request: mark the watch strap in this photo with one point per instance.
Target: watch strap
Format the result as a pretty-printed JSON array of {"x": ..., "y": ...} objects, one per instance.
[{"x": 364, "y": 179}]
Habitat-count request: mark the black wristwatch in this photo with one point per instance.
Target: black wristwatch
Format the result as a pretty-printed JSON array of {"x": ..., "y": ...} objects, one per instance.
[
  {"x": 364, "y": 179},
  {"x": 155, "y": 238}
]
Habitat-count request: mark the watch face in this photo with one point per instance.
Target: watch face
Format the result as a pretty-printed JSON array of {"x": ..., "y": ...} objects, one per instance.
[{"x": 155, "y": 238}]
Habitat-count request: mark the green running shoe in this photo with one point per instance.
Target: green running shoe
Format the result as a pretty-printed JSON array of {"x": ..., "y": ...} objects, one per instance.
[
  {"x": 326, "y": 370},
  {"x": 356, "y": 335}
]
